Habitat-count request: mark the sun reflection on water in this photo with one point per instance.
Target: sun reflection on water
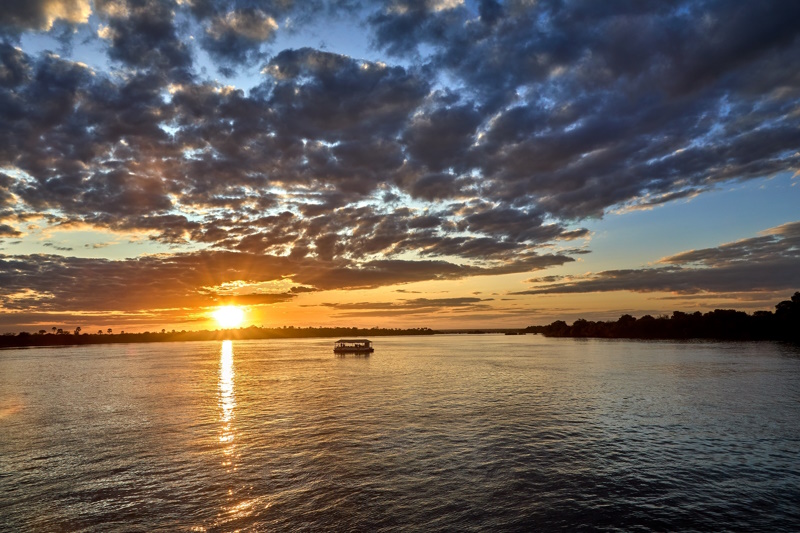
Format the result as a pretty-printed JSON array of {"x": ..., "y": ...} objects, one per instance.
[
  {"x": 236, "y": 508},
  {"x": 227, "y": 399}
]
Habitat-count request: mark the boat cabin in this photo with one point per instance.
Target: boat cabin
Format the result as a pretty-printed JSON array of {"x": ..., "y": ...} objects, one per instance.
[{"x": 353, "y": 346}]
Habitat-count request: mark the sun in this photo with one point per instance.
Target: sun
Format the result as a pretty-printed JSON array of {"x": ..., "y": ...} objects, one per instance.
[{"x": 229, "y": 316}]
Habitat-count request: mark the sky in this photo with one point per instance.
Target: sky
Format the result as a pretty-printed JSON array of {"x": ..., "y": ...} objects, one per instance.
[{"x": 408, "y": 163}]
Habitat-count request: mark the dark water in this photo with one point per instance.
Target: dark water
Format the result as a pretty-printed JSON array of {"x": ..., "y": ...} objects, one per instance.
[{"x": 450, "y": 433}]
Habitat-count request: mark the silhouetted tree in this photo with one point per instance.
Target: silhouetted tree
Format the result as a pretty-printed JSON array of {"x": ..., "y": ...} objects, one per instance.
[
  {"x": 787, "y": 316},
  {"x": 784, "y": 324}
]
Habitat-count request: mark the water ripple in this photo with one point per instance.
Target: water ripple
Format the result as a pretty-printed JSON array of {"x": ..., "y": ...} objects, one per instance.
[{"x": 428, "y": 434}]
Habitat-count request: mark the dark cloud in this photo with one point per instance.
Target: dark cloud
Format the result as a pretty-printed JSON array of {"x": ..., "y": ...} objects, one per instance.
[
  {"x": 588, "y": 106},
  {"x": 6, "y": 198},
  {"x": 300, "y": 289},
  {"x": 439, "y": 139},
  {"x": 255, "y": 298},
  {"x": 416, "y": 306},
  {"x": 142, "y": 34},
  {"x": 57, "y": 247},
  {"x": 417, "y": 303},
  {"x": 16, "y": 17},
  {"x": 239, "y": 32},
  {"x": 8, "y": 231},
  {"x": 566, "y": 145},
  {"x": 57, "y": 283},
  {"x": 333, "y": 98},
  {"x": 767, "y": 263},
  {"x": 237, "y": 36},
  {"x": 436, "y": 187},
  {"x": 779, "y": 242}
]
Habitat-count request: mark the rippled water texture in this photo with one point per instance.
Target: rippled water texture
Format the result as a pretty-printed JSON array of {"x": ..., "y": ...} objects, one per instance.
[{"x": 457, "y": 433}]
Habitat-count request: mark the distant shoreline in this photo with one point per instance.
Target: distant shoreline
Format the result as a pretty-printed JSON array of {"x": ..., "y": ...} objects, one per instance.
[
  {"x": 720, "y": 324},
  {"x": 24, "y": 340},
  {"x": 39, "y": 340}
]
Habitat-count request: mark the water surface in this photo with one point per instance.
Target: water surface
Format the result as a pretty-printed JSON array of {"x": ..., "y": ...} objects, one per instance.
[{"x": 445, "y": 433}]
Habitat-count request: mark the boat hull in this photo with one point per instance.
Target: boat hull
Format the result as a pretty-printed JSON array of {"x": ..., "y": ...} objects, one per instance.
[{"x": 353, "y": 350}]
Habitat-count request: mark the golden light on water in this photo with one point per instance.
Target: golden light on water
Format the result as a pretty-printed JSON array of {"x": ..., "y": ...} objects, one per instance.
[
  {"x": 234, "y": 508},
  {"x": 229, "y": 316},
  {"x": 227, "y": 398}
]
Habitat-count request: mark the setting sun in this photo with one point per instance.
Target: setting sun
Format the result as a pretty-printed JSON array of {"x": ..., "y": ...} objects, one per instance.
[{"x": 229, "y": 316}]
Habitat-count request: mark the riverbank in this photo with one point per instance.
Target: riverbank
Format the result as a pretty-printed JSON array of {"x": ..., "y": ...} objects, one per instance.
[
  {"x": 24, "y": 339},
  {"x": 720, "y": 324}
]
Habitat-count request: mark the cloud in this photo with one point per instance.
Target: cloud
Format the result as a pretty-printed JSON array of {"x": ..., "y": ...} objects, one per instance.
[
  {"x": 237, "y": 36},
  {"x": 416, "y": 306},
  {"x": 58, "y": 284},
  {"x": 256, "y": 298},
  {"x": 141, "y": 34},
  {"x": 527, "y": 149},
  {"x": 335, "y": 98},
  {"x": 41, "y": 14},
  {"x": 8, "y": 231},
  {"x": 588, "y": 107},
  {"x": 770, "y": 262}
]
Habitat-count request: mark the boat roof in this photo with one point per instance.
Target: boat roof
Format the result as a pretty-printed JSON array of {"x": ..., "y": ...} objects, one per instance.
[{"x": 354, "y": 340}]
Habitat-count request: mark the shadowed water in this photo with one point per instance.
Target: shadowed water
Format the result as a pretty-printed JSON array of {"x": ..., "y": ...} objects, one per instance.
[{"x": 456, "y": 433}]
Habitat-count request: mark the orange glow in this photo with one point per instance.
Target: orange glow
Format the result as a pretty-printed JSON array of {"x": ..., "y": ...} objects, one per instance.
[{"x": 229, "y": 316}]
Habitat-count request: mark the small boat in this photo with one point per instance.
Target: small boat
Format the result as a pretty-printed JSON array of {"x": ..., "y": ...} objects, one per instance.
[{"x": 357, "y": 346}]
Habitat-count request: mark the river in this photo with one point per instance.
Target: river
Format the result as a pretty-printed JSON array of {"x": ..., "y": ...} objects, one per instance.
[{"x": 442, "y": 433}]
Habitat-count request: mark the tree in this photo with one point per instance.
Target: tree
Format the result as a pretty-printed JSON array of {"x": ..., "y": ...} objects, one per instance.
[
  {"x": 54, "y": 330},
  {"x": 789, "y": 307},
  {"x": 78, "y": 330},
  {"x": 42, "y": 331},
  {"x": 108, "y": 331}
]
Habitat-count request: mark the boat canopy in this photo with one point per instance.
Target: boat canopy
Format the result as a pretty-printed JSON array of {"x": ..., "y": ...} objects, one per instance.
[{"x": 351, "y": 341}]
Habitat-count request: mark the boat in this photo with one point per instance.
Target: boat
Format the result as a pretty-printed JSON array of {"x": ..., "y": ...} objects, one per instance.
[{"x": 356, "y": 346}]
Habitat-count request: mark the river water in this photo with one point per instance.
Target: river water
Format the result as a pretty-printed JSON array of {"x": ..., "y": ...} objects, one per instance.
[{"x": 444, "y": 433}]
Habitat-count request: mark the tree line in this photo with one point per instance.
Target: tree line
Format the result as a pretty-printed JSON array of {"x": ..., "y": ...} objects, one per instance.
[
  {"x": 61, "y": 337},
  {"x": 721, "y": 324}
]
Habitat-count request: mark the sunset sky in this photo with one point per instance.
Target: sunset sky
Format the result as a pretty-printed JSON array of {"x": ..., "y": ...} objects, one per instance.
[{"x": 442, "y": 163}]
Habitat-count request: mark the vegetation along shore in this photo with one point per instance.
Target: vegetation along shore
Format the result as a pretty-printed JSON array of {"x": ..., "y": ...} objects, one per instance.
[{"x": 720, "y": 324}]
